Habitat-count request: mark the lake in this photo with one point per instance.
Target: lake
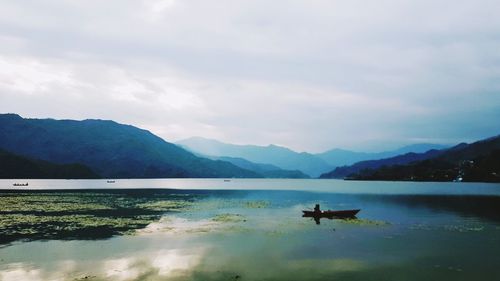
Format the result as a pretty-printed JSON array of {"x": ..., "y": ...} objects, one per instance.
[{"x": 239, "y": 229}]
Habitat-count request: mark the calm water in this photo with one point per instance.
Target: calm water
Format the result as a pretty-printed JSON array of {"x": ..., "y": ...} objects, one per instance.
[{"x": 238, "y": 230}]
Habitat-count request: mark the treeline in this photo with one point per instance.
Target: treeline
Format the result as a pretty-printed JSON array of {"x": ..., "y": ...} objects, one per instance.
[
  {"x": 485, "y": 168},
  {"x": 14, "y": 166}
]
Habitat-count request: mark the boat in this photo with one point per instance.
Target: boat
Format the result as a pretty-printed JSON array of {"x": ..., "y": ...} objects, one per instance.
[
  {"x": 20, "y": 184},
  {"x": 110, "y": 181},
  {"x": 332, "y": 214},
  {"x": 341, "y": 214}
]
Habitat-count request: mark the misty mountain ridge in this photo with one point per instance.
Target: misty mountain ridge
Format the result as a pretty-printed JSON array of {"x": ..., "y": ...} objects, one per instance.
[
  {"x": 267, "y": 170},
  {"x": 478, "y": 161},
  {"x": 114, "y": 150},
  {"x": 340, "y": 157},
  {"x": 110, "y": 149},
  {"x": 279, "y": 156},
  {"x": 285, "y": 158}
]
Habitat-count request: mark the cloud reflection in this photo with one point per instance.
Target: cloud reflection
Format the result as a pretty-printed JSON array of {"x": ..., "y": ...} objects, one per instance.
[
  {"x": 175, "y": 225},
  {"x": 174, "y": 262},
  {"x": 163, "y": 264},
  {"x": 20, "y": 271},
  {"x": 122, "y": 269}
]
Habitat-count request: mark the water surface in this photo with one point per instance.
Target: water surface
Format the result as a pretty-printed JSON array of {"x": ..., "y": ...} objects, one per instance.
[{"x": 237, "y": 230}]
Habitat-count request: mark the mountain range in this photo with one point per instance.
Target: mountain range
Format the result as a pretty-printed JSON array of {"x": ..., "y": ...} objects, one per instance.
[
  {"x": 345, "y": 171},
  {"x": 478, "y": 161},
  {"x": 48, "y": 148},
  {"x": 278, "y": 156},
  {"x": 110, "y": 149},
  {"x": 341, "y": 157},
  {"x": 267, "y": 170},
  {"x": 311, "y": 164}
]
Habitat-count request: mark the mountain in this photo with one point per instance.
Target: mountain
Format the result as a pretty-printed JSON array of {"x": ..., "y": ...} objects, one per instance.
[
  {"x": 13, "y": 166},
  {"x": 340, "y": 157},
  {"x": 266, "y": 170},
  {"x": 110, "y": 149},
  {"x": 479, "y": 161},
  {"x": 344, "y": 171},
  {"x": 281, "y": 157}
]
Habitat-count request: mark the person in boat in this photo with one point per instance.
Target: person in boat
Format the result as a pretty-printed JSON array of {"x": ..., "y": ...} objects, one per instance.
[{"x": 316, "y": 209}]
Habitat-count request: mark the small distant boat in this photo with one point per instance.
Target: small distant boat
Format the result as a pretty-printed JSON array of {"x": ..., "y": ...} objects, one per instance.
[
  {"x": 20, "y": 184},
  {"x": 227, "y": 180},
  {"x": 110, "y": 181}
]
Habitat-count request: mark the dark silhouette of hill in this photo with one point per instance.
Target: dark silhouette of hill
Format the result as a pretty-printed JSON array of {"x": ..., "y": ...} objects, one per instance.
[
  {"x": 341, "y": 157},
  {"x": 13, "y": 166},
  {"x": 479, "y": 161},
  {"x": 342, "y": 172},
  {"x": 110, "y": 149}
]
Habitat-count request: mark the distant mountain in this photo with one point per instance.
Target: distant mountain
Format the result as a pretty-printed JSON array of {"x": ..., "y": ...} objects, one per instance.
[
  {"x": 281, "y": 157},
  {"x": 479, "y": 161},
  {"x": 341, "y": 157},
  {"x": 266, "y": 170},
  {"x": 13, "y": 166},
  {"x": 344, "y": 171},
  {"x": 110, "y": 149},
  {"x": 418, "y": 148}
]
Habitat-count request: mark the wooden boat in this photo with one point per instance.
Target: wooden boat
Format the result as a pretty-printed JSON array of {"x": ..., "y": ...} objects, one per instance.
[{"x": 331, "y": 214}]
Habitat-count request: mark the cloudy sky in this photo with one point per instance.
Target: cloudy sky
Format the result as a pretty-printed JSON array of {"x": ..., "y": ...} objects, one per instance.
[{"x": 310, "y": 75}]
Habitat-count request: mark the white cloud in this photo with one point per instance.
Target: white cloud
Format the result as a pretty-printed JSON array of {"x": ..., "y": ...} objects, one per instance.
[{"x": 305, "y": 74}]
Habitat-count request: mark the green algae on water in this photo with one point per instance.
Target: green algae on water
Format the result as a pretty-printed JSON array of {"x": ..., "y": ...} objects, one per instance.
[
  {"x": 165, "y": 205},
  {"x": 256, "y": 204},
  {"x": 229, "y": 218},
  {"x": 365, "y": 222},
  {"x": 32, "y": 215}
]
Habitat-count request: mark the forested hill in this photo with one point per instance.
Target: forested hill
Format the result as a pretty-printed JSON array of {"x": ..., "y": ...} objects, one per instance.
[
  {"x": 18, "y": 167},
  {"x": 476, "y": 162},
  {"x": 344, "y": 171},
  {"x": 110, "y": 149}
]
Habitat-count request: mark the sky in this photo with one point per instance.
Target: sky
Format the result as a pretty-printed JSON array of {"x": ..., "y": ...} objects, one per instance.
[{"x": 310, "y": 75}]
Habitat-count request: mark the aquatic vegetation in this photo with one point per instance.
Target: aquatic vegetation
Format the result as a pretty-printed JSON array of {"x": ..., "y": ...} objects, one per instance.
[
  {"x": 365, "y": 222},
  {"x": 229, "y": 218},
  {"x": 235, "y": 236},
  {"x": 221, "y": 203},
  {"x": 258, "y": 204},
  {"x": 16, "y": 226},
  {"x": 53, "y": 202},
  {"x": 81, "y": 215},
  {"x": 450, "y": 227},
  {"x": 165, "y": 205},
  {"x": 420, "y": 226},
  {"x": 178, "y": 225},
  {"x": 463, "y": 228}
]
